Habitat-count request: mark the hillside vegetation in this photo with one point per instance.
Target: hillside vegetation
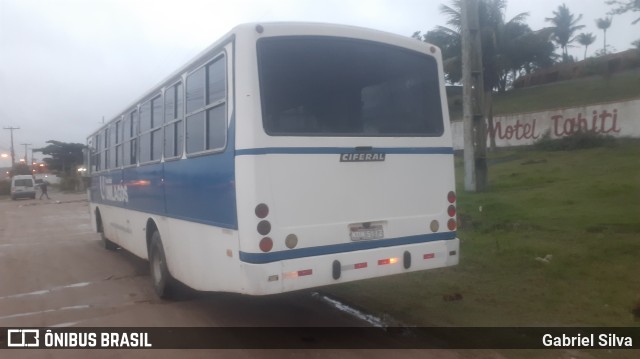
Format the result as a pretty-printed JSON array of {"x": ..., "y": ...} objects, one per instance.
[{"x": 580, "y": 92}]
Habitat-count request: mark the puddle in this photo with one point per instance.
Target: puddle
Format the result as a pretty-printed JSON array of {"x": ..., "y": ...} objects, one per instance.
[{"x": 371, "y": 319}]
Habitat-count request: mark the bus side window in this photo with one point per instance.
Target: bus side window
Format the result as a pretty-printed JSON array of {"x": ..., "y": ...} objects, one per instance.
[{"x": 206, "y": 127}]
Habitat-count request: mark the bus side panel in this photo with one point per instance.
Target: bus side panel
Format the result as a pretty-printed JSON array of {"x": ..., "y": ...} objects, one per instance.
[
  {"x": 203, "y": 257},
  {"x": 144, "y": 188},
  {"x": 202, "y": 189},
  {"x": 123, "y": 227}
]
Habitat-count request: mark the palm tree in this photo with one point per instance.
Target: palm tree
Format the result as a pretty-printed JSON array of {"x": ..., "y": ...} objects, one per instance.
[
  {"x": 502, "y": 46},
  {"x": 564, "y": 26},
  {"x": 586, "y": 40},
  {"x": 604, "y": 24},
  {"x": 498, "y": 38}
]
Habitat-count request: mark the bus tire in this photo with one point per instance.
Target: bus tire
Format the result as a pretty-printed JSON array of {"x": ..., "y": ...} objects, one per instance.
[
  {"x": 106, "y": 243},
  {"x": 162, "y": 281}
]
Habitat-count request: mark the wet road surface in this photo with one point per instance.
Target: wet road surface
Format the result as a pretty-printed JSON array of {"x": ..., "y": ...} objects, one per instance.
[{"x": 54, "y": 273}]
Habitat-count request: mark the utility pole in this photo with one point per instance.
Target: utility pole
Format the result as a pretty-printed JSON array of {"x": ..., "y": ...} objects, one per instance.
[
  {"x": 13, "y": 153},
  {"x": 475, "y": 131}
]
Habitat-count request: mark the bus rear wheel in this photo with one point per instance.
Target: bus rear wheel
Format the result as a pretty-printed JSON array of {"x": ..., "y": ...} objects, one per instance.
[{"x": 163, "y": 283}]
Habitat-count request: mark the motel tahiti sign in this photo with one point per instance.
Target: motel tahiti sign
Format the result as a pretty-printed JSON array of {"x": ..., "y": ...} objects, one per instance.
[{"x": 617, "y": 119}]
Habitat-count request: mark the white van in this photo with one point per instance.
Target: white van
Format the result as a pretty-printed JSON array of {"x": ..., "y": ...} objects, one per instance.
[{"x": 23, "y": 186}]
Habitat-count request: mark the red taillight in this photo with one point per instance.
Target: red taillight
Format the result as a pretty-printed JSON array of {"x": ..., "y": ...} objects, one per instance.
[
  {"x": 296, "y": 274},
  {"x": 451, "y": 211},
  {"x": 266, "y": 244},
  {"x": 451, "y": 224},
  {"x": 387, "y": 261},
  {"x": 262, "y": 210},
  {"x": 360, "y": 265},
  {"x": 429, "y": 256},
  {"x": 451, "y": 197}
]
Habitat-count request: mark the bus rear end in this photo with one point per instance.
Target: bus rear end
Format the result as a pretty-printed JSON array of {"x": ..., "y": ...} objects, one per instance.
[{"x": 344, "y": 159}]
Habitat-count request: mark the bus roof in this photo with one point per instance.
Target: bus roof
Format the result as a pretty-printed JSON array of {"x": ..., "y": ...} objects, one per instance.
[{"x": 301, "y": 28}]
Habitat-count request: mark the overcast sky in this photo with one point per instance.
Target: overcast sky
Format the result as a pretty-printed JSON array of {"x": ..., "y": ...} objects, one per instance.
[{"x": 64, "y": 64}]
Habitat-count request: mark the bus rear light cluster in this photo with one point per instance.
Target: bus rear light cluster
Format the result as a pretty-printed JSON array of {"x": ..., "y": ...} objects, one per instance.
[
  {"x": 264, "y": 227},
  {"x": 451, "y": 211}
]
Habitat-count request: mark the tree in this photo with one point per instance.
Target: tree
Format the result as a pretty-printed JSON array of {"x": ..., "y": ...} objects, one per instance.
[
  {"x": 505, "y": 44},
  {"x": 65, "y": 157},
  {"x": 565, "y": 25},
  {"x": 586, "y": 39},
  {"x": 604, "y": 24},
  {"x": 503, "y": 52},
  {"x": 622, "y": 6}
]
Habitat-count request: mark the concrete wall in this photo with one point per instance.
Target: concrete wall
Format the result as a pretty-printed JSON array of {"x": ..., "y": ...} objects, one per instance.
[{"x": 617, "y": 119}]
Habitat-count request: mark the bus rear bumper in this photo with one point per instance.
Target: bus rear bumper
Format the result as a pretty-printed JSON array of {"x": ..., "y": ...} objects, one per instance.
[{"x": 308, "y": 272}]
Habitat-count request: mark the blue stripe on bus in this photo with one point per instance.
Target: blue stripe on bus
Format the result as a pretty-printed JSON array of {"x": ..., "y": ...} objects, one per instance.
[
  {"x": 340, "y": 150},
  {"x": 261, "y": 258}
]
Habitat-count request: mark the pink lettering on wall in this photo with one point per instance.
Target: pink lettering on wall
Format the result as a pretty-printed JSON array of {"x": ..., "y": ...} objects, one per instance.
[
  {"x": 604, "y": 122},
  {"x": 519, "y": 131}
]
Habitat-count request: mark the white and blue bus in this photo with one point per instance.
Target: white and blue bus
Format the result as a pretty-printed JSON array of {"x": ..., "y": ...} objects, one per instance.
[{"x": 284, "y": 156}]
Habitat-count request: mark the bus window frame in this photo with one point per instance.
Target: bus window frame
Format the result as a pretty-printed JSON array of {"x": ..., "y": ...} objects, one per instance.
[{"x": 223, "y": 101}]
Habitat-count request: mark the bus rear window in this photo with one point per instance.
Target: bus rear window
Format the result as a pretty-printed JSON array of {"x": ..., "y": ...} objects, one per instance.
[{"x": 325, "y": 86}]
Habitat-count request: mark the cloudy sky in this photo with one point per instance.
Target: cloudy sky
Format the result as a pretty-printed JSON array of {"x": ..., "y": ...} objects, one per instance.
[{"x": 66, "y": 64}]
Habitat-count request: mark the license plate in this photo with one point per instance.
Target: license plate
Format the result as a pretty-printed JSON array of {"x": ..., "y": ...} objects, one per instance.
[{"x": 364, "y": 234}]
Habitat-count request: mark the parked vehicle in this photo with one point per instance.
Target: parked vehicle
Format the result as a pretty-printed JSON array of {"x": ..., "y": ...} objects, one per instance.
[{"x": 23, "y": 186}]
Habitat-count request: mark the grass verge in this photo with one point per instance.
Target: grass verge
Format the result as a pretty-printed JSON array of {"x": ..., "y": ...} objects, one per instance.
[{"x": 579, "y": 209}]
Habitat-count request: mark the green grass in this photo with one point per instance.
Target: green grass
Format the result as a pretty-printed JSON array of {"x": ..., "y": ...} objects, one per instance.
[
  {"x": 581, "y": 92},
  {"x": 582, "y": 207}
]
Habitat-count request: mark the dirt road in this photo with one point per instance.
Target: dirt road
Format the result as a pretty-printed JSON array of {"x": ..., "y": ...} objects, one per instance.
[{"x": 54, "y": 272}]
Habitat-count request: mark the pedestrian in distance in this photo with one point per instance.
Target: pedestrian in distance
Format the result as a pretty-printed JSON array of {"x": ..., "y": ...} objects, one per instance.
[{"x": 43, "y": 188}]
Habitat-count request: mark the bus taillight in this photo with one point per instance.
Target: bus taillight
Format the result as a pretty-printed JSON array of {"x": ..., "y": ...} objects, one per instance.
[
  {"x": 264, "y": 227},
  {"x": 451, "y": 224},
  {"x": 262, "y": 211},
  {"x": 382, "y": 262},
  {"x": 434, "y": 226},
  {"x": 451, "y": 211},
  {"x": 266, "y": 244},
  {"x": 291, "y": 241},
  {"x": 451, "y": 197}
]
